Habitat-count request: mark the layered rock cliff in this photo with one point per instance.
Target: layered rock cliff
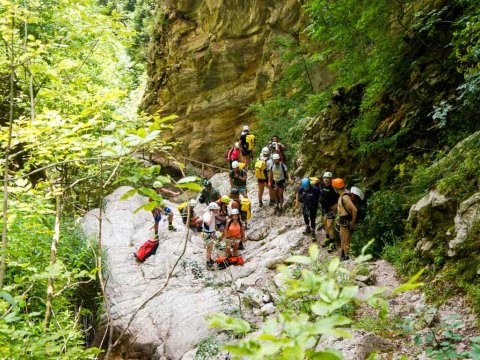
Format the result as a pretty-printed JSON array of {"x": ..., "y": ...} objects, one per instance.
[{"x": 210, "y": 60}]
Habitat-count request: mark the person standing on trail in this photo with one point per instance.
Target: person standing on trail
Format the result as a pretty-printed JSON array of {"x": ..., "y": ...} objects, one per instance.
[
  {"x": 238, "y": 178},
  {"x": 261, "y": 173},
  {"x": 158, "y": 211},
  {"x": 348, "y": 215},
  {"x": 276, "y": 147},
  {"x": 209, "y": 231},
  {"x": 233, "y": 154},
  {"x": 234, "y": 233},
  {"x": 277, "y": 177},
  {"x": 221, "y": 218},
  {"x": 328, "y": 200},
  {"x": 247, "y": 145},
  {"x": 209, "y": 193},
  {"x": 308, "y": 195},
  {"x": 236, "y": 204}
]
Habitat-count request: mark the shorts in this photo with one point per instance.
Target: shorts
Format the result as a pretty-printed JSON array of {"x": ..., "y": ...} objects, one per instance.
[
  {"x": 209, "y": 238},
  {"x": 231, "y": 242},
  {"x": 345, "y": 220},
  {"x": 241, "y": 189},
  {"x": 262, "y": 181},
  {"x": 246, "y": 152},
  {"x": 278, "y": 184},
  {"x": 329, "y": 213},
  {"x": 157, "y": 215}
]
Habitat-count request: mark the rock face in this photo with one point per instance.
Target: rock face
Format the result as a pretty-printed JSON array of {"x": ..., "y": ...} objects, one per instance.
[
  {"x": 467, "y": 216},
  {"x": 209, "y": 61}
]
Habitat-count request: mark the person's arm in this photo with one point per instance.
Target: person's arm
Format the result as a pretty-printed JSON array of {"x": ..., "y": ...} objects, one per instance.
[
  {"x": 169, "y": 192},
  {"x": 282, "y": 147},
  {"x": 244, "y": 177},
  {"x": 297, "y": 196},
  {"x": 270, "y": 177},
  {"x": 242, "y": 231},
  {"x": 352, "y": 209}
]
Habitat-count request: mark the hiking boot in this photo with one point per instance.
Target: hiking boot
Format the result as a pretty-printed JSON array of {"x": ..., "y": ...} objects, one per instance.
[
  {"x": 210, "y": 264},
  {"x": 275, "y": 211},
  {"x": 331, "y": 248},
  {"x": 345, "y": 258},
  {"x": 260, "y": 204},
  {"x": 271, "y": 203},
  {"x": 171, "y": 228},
  {"x": 327, "y": 243},
  {"x": 314, "y": 237},
  {"x": 240, "y": 246},
  {"x": 307, "y": 230}
]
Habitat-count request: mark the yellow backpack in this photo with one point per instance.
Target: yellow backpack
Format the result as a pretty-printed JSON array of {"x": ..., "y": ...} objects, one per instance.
[
  {"x": 245, "y": 206},
  {"x": 241, "y": 165},
  {"x": 260, "y": 167},
  {"x": 314, "y": 180},
  {"x": 250, "y": 138}
]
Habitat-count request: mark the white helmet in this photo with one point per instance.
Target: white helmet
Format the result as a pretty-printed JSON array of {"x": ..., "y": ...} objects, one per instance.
[
  {"x": 157, "y": 184},
  {"x": 328, "y": 174},
  {"x": 246, "y": 128},
  {"x": 213, "y": 206},
  {"x": 235, "y": 164},
  {"x": 234, "y": 212},
  {"x": 358, "y": 192},
  {"x": 237, "y": 145},
  {"x": 265, "y": 151},
  {"x": 192, "y": 202},
  {"x": 276, "y": 157}
]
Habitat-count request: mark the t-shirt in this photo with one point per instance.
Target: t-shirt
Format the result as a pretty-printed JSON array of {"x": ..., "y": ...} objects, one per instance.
[
  {"x": 208, "y": 218},
  {"x": 328, "y": 196},
  {"x": 278, "y": 171},
  {"x": 235, "y": 154},
  {"x": 243, "y": 140},
  {"x": 310, "y": 196},
  {"x": 236, "y": 180}
]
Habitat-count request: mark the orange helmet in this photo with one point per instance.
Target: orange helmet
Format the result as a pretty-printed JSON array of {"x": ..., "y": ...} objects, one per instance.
[{"x": 338, "y": 183}]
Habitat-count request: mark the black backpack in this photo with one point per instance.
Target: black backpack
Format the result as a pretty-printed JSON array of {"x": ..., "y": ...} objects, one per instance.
[{"x": 360, "y": 204}]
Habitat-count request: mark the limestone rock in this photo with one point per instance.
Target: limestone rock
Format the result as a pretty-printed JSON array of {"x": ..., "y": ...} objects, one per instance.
[
  {"x": 467, "y": 215},
  {"x": 209, "y": 61},
  {"x": 430, "y": 213},
  {"x": 254, "y": 297},
  {"x": 267, "y": 309}
]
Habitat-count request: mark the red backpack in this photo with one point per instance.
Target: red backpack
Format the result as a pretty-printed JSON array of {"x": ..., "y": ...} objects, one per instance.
[{"x": 148, "y": 248}]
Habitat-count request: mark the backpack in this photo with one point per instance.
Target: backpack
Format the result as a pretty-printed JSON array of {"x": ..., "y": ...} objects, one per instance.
[
  {"x": 250, "y": 138},
  {"x": 228, "y": 154},
  {"x": 284, "y": 168},
  {"x": 260, "y": 167},
  {"x": 360, "y": 204},
  {"x": 148, "y": 248},
  {"x": 245, "y": 206},
  {"x": 314, "y": 180},
  {"x": 182, "y": 206}
]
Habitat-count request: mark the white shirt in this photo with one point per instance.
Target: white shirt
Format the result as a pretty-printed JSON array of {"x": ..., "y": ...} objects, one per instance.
[{"x": 208, "y": 218}]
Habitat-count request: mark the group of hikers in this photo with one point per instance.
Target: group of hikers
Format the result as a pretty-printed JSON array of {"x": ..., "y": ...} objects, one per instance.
[{"x": 225, "y": 220}]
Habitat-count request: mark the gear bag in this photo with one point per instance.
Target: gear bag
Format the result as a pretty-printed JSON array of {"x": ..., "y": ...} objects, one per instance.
[
  {"x": 246, "y": 207},
  {"x": 260, "y": 167},
  {"x": 359, "y": 203},
  {"x": 250, "y": 138},
  {"x": 148, "y": 248}
]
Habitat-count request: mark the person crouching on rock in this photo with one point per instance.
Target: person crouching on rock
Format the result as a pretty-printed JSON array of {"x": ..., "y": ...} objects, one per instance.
[
  {"x": 222, "y": 215},
  {"x": 309, "y": 195},
  {"x": 238, "y": 178},
  {"x": 234, "y": 233},
  {"x": 195, "y": 222},
  {"x": 348, "y": 215},
  {"x": 209, "y": 230}
]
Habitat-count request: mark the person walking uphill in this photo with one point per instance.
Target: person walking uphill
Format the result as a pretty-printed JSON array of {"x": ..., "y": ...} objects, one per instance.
[
  {"x": 233, "y": 154},
  {"x": 247, "y": 145},
  {"x": 234, "y": 233},
  {"x": 157, "y": 212},
  {"x": 308, "y": 195},
  {"x": 328, "y": 200},
  {"x": 238, "y": 178},
  {"x": 277, "y": 177},
  {"x": 209, "y": 230},
  {"x": 261, "y": 173},
  {"x": 348, "y": 216}
]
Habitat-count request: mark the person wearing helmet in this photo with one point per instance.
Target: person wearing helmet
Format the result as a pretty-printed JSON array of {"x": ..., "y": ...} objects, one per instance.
[
  {"x": 261, "y": 173},
  {"x": 238, "y": 178},
  {"x": 209, "y": 231},
  {"x": 221, "y": 218},
  {"x": 233, "y": 154},
  {"x": 234, "y": 233},
  {"x": 277, "y": 147},
  {"x": 277, "y": 177},
  {"x": 308, "y": 195},
  {"x": 209, "y": 193},
  {"x": 348, "y": 215},
  {"x": 246, "y": 142},
  {"x": 162, "y": 209},
  {"x": 236, "y": 204},
  {"x": 328, "y": 201},
  {"x": 195, "y": 222}
]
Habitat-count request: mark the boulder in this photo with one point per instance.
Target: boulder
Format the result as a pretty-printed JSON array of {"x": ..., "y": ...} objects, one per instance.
[
  {"x": 254, "y": 297},
  {"x": 468, "y": 215}
]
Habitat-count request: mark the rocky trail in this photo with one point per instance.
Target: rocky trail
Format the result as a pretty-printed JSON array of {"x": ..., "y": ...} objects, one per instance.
[{"x": 172, "y": 325}]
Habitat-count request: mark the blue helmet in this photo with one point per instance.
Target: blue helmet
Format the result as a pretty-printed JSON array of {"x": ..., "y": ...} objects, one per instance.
[{"x": 305, "y": 183}]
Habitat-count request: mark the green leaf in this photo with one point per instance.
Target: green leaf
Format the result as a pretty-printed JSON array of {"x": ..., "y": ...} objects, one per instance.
[
  {"x": 334, "y": 264},
  {"x": 188, "y": 179},
  {"x": 128, "y": 194},
  {"x": 8, "y": 298},
  {"x": 225, "y": 322},
  {"x": 321, "y": 308},
  {"x": 314, "y": 252},
  {"x": 192, "y": 186},
  {"x": 323, "y": 355},
  {"x": 349, "y": 292},
  {"x": 299, "y": 259}
]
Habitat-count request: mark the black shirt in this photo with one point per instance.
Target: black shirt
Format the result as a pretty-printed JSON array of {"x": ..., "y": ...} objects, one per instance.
[{"x": 328, "y": 196}]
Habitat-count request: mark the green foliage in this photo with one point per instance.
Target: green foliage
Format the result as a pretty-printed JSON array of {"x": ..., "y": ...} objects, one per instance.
[
  {"x": 207, "y": 348},
  {"x": 315, "y": 298}
]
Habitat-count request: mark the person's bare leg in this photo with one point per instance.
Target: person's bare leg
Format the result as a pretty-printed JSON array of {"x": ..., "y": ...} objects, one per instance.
[
  {"x": 235, "y": 248},
  {"x": 209, "y": 251},
  {"x": 155, "y": 228},
  {"x": 280, "y": 197},
  {"x": 261, "y": 189},
  {"x": 344, "y": 239},
  {"x": 329, "y": 229}
]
